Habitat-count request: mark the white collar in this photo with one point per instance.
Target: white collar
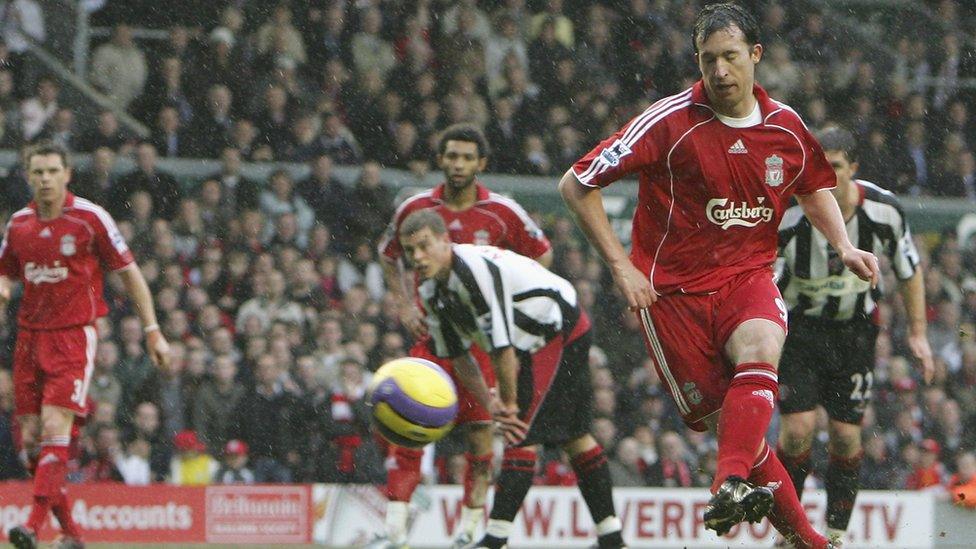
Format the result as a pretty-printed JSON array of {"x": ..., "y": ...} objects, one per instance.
[{"x": 753, "y": 119}]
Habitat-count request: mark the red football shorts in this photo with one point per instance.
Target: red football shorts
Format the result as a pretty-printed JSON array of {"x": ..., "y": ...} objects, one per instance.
[
  {"x": 469, "y": 409},
  {"x": 53, "y": 367},
  {"x": 686, "y": 335}
]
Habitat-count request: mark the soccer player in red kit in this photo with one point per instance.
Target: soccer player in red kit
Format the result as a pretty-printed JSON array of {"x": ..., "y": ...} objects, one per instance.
[
  {"x": 58, "y": 247},
  {"x": 473, "y": 215},
  {"x": 717, "y": 165}
]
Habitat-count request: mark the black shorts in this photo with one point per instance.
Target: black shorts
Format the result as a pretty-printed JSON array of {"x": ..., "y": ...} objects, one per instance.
[
  {"x": 828, "y": 363},
  {"x": 558, "y": 406}
]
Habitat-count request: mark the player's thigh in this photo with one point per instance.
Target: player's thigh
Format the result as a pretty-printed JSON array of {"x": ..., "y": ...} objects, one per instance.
[
  {"x": 27, "y": 375},
  {"x": 800, "y": 369},
  {"x": 679, "y": 335},
  {"x": 751, "y": 319},
  {"x": 555, "y": 392},
  {"x": 850, "y": 386},
  {"x": 470, "y": 409},
  {"x": 67, "y": 358}
]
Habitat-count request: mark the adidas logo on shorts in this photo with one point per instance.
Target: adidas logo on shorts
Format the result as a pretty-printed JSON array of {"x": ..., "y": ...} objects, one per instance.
[{"x": 766, "y": 394}]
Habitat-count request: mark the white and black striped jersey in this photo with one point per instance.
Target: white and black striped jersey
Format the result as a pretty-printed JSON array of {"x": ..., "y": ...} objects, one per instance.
[
  {"x": 494, "y": 299},
  {"x": 810, "y": 273}
]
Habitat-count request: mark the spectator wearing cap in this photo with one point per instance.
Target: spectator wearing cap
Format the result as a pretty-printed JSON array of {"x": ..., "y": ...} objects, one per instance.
[
  {"x": 929, "y": 472},
  {"x": 234, "y": 468},
  {"x": 119, "y": 67},
  {"x": 192, "y": 465}
]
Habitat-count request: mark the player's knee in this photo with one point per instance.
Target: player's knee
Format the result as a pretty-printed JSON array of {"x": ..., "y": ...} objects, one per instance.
[
  {"x": 480, "y": 438},
  {"x": 845, "y": 441},
  {"x": 765, "y": 344},
  {"x": 796, "y": 436},
  {"x": 56, "y": 423}
]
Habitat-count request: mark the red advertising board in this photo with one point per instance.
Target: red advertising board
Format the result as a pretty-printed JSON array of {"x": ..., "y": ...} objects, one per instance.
[{"x": 172, "y": 514}]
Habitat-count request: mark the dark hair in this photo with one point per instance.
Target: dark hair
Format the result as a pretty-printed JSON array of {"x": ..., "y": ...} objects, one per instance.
[
  {"x": 466, "y": 133},
  {"x": 423, "y": 219},
  {"x": 44, "y": 148},
  {"x": 836, "y": 138},
  {"x": 716, "y": 17}
]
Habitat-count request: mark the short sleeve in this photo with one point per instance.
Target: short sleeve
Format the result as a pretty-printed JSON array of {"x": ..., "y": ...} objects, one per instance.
[
  {"x": 817, "y": 175},
  {"x": 9, "y": 266},
  {"x": 902, "y": 251},
  {"x": 524, "y": 235},
  {"x": 501, "y": 320},
  {"x": 637, "y": 145},
  {"x": 110, "y": 245},
  {"x": 447, "y": 341}
]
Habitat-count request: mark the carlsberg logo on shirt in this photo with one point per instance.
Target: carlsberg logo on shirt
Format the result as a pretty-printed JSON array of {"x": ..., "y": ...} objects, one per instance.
[{"x": 727, "y": 214}]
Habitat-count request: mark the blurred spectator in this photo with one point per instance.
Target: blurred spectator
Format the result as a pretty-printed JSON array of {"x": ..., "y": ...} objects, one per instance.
[
  {"x": 211, "y": 127},
  {"x": 962, "y": 485},
  {"x": 929, "y": 472},
  {"x": 99, "y": 463},
  {"x": 104, "y": 387},
  {"x": 192, "y": 465},
  {"x": 118, "y": 67},
  {"x": 106, "y": 133},
  {"x": 169, "y": 388},
  {"x": 280, "y": 198},
  {"x": 10, "y": 466},
  {"x": 147, "y": 177},
  {"x": 37, "y": 110},
  {"x": 360, "y": 268},
  {"x": 21, "y": 23},
  {"x": 626, "y": 468},
  {"x": 337, "y": 141},
  {"x": 233, "y": 468},
  {"x": 134, "y": 463},
  {"x": 279, "y": 37},
  {"x": 878, "y": 468},
  {"x": 265, "y": 421},
  {"x": 370, "y": 203},
  {"x": 168, "y": 136},
  {"x": 62, "y": 130},
  {"x": 671, "y": 470},
  {"x": 327, "y": 197},
  {"x": 95, "y": 182},
  {"x": 215, "y": 403},
  {"x": 369, "y": 49},
  {"x": 146, "y": 429}
]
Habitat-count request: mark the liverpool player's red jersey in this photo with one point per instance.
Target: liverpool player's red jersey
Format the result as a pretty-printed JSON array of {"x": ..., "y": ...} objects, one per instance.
[
  {"x": 493, "y": 220},
  {"x": 61, "y": 261},
  {"x": 711, "y": 195}
]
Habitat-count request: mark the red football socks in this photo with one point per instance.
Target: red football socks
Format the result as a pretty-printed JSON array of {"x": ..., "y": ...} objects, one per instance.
[
  {"x": 403, "y": 474},
  {"x": 746, "y": 411},
  {"x": 477, "y": 467},
  {"x": 49, "y": 479},
  {"x": 788, "y": 516}
]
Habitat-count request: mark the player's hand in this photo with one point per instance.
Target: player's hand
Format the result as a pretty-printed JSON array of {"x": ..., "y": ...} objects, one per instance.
[
  {"x": 919, "y": 344},
  {"x": 634, "y": 285},
  {"x": 412, "y": 320},
  {"x": 863, "y": 264},
  {"x": 507, "y": 421},
  {"x": 158, "y": 348}
]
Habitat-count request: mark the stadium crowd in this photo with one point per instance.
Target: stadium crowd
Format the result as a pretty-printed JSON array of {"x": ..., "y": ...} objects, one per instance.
[{"x": 271, "y": 292}]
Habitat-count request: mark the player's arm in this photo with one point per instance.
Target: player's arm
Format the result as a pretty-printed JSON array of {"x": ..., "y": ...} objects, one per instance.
[
  {"x": 6, "y": 289},
  {"x": 545, "y": 259},
  {"x": 397, "y": 283},
  {"x": 913, "y": 294},
  {"x": 138, "y": 290},
  {"x": 586, "y": 204},
  {"x": 823, "y": 212}
]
